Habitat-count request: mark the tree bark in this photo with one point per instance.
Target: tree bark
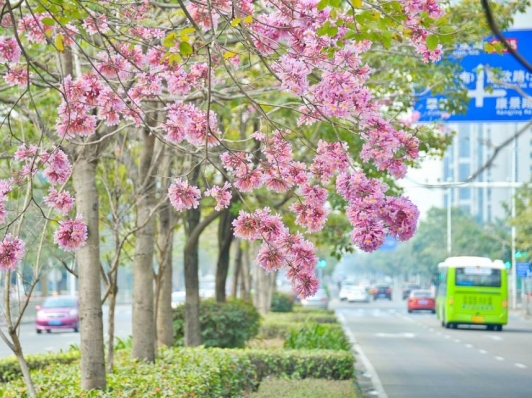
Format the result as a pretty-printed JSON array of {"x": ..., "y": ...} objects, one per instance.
[
  {"x": 265, "y": 283},
  {"x": 237, "y": 272},
  {"x": 245, "y": 286},
  {"x": 165, "y": 237},
  {"x": 225, "y": 238},
  {"x": 143, "y": 326},
  {"x": 192, "y": 324},
  {"x": 88, "y": 258}
]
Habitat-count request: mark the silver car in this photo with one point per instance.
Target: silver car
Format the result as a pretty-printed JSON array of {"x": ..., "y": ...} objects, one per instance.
[{"x": 319, "y": 300}]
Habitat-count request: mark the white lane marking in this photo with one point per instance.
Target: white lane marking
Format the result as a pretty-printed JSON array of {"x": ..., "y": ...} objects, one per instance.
[
  {"x": 469, "y": 345},
  {"x": 365, "y": 361},
  {"x": 499, "y": 358},
  {"x": 447, "y": 336},
  {"x": 520, "y": 365},
  {"x": 457, "y": 340},
  {"x": 431, "y": 329},
  {"x": 438, "y": 333},
  {"x": 483, "y": 351},
  {"x": 496, "y": 338},
  {"x": 396, "y": 335}
]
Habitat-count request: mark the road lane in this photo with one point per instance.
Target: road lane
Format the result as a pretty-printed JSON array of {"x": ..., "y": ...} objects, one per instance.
[{"x": 415, "y": 357}]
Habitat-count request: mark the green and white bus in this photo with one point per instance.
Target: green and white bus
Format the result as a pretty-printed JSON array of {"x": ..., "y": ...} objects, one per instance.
[{"x": 472, "y": 291}]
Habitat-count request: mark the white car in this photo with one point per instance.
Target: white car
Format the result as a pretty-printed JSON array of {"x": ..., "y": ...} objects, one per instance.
[
  {"x": 358, "y": 293},
  {"x": 345, "y": 287}
]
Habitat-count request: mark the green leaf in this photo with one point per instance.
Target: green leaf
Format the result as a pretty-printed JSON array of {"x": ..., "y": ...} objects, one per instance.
[
  {"x": 48, "y": 21},
  {"x": 432, "y": 42},
  {"x": 335, "y": 3},
  {"x": 59, "y": 43},
  {"x": 332, "y": 31},
  {"x": 185, "y": 48},
  {"x": 322, "y": 4}
]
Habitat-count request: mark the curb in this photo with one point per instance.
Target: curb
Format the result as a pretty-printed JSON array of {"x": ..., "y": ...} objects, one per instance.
[{"x": 374, "y": 388}]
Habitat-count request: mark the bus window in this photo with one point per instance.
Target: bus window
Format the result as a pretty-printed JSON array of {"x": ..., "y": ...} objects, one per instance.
[{"x": 477, "y": 276}]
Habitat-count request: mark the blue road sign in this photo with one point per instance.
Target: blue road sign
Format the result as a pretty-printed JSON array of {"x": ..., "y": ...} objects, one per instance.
[
  {"x": 494, "y": 97},
  {"x": 522, "y": 269}
]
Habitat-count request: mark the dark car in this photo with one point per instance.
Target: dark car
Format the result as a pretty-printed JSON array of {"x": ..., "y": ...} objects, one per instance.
[
  {"x": 408, "y": 288},
  {"x": 59, "y": 312},
  {"x": 381, "y": 291}
]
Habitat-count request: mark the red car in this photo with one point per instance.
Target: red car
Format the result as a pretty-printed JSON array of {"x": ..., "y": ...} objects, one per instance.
[
  {"x": 58, "y": 312},
  {"x": 421, "y": 300}
]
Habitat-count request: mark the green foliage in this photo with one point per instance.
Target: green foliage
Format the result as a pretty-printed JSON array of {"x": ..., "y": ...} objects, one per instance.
[
  {"x": 10, "y": 369},
  {"x": 315, "y": 336},
  {"x": 302, "y": 364},
  {"x": 225, "y": 325},
  {"x": 282, "y": 302},
  {"x": 307, "y": 388},
  {"x": 306, "y": 310},
  {"x": 178, "y": 372},
  {"x": 281, "y": 325}
]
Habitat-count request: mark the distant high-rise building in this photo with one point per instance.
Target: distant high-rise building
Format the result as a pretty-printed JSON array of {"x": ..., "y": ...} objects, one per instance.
[{"x": 473, "y": 148}]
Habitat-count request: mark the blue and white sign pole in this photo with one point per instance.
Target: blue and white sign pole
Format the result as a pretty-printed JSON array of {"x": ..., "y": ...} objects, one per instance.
[{"x": 495, "y": 82}]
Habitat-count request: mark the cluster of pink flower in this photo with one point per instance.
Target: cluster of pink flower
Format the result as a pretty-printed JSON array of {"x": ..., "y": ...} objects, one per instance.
[
  {"x": 280, "y": 248},
  {"x": 71, "y": 234},
  {"x": 186, "y": 121},
  {"x": 11, "y": 252},
  {"x": 372, "y": 213}
]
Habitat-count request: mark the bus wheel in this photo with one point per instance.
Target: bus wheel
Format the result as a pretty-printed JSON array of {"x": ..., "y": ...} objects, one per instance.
[
  {"x": 498, "y": 328},
  {"x": 491, "y": 327}
]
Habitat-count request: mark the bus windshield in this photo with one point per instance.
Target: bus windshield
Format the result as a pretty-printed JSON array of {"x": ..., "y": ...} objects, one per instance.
[{"x": 478, "y": 276}]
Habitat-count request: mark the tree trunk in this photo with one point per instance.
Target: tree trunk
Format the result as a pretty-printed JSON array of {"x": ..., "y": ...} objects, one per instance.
[
  {"x": 88, "y": 258},
  {"x": 143, "y": 325},
  {"x": 192, "y": 324},
  {"x": 111, "y": 327},
  {"x": 165, "y": 324},
  {"x": 237, "y": 273},
  {"x": 265, "y": 283},
  {"x": 245, "y": 286},
  {"x": 225, "y": 237}
]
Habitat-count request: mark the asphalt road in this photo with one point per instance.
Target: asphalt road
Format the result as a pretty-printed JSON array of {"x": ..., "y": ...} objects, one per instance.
[
  {"x": 33, "y": 343},
  {"x": 413, "y": 356}
]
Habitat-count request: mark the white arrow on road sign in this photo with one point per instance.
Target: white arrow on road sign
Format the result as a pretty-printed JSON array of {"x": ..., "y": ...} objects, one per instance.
[{"x": 479, "y": 93}]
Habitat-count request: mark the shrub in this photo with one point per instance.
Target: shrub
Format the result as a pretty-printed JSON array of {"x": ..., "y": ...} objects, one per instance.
[
  {"x": 185, "y": 372},
  {"x": 318, "y": 336},
  {"x": 325, "y": 311},
  {"x": 178, "y": 372},
  {"x": 282, "y": 302},
  {"x": 225, "y": 325},
  {"x": 302, "y": 364},
  {"x": 10, "y": 369}
]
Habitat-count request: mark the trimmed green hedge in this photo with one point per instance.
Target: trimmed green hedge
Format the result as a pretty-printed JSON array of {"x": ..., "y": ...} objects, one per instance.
[
  {"x": 224, "y": 325},
  {"x": 302, "y": 364},
  {"x": 281, "y": 325},
  {"x": 312, "y": 336},
  {"x": 10, "y": 369},
  {"x": 282, "y": 302},
  {"x": 186, "y": 372}
]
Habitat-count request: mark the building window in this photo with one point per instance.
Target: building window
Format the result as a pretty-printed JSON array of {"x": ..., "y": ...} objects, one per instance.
[
  {"x": 465, "y": 193},
  {"x": 464, "y": 171}
]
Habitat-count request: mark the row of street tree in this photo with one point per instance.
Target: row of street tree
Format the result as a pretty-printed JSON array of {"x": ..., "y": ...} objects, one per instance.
[{"x": 285, "y": 123}]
